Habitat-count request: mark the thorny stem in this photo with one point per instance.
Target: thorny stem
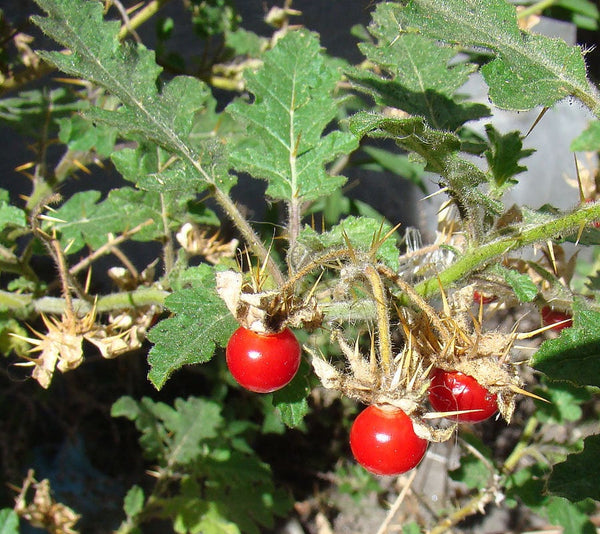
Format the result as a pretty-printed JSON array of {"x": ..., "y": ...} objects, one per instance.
[
  {"x": 473, "y": 506},
  {"x": 53, "y": 246},
  {"x": 144, "y": 296},
  {"x": 168, "y": 251},
  {"x": 249, "y": 235},
  {"x": 484, "y": 254},
  {"x": 314, "y": 264},
  {"x": 418, "y": 301},
  {"x": 383, "y": 320}
]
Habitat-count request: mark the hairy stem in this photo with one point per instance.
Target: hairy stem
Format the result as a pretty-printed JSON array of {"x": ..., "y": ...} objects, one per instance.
[
  {"x": 249, "y": 235},
  {"x": 475, "y": 259},
  {"x": 145, "y": 296},
  {"x": 383, "y": 321}
]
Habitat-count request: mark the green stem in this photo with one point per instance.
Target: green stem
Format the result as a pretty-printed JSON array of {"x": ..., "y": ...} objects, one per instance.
[
  {"x": 145, "y": 296},
  {"x": 249, "y": 235},
  {"x": 142, "y": 16},
  {"x": 475, "y": 259},
  {"x": 517, "y": 453},
  {"x": 535, "y": 9}
]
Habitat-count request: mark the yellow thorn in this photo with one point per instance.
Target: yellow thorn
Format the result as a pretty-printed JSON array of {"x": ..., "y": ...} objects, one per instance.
[
  {"x": 538, "y": 119},
  {"x": 517, "y": 389},
  {"x": 81, "y": 166},
  {"x": 25, "y": 166},
  {"x": 552, "y": 257}
]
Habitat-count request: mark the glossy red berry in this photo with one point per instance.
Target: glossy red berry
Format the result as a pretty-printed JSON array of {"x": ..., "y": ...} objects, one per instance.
[
  {"x": 480, "y": 298},
  {"x": 384, "y": 442},
  {"x": 452, "y": 391},
  {"x": 555, "y": 317},
  {"x": 263, "y": 362}
]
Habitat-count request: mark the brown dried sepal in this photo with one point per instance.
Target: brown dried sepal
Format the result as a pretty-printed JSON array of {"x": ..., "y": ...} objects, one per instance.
[
  {"x": 43, "y": 511},
  {"x": 266, "y": 311},
  {"x": 61, "y": 347},
  {"x": 198, "y": 241},
  {"x": 463, "y": 346},
  {"x": 404, "y": 387}
]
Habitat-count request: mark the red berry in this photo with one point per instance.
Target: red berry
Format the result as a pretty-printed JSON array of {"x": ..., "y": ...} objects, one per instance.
[
  {"x": 550, "y": 316},
  {"x": 263, "y": 362},
  {"x": 452, "y": 391},
  {"x": 384, "y": 442},
  {"x": 483, "y": 299}
]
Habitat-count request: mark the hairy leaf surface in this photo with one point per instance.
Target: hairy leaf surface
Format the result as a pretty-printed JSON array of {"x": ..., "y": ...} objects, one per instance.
[
  {"x": 529, "y": 70},
  {"x": 424, "y": 79},
  {"x": 293, "y": 103},
  {"x": 201, "y": 321}
]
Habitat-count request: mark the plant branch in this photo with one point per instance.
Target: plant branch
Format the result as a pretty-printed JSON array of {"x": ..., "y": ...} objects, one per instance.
[
  {"x": 535, "y": 9},
  {"x": 473, "y": 506},
  {"x": 383, "y": 321},
  {"x": 144, "y": 296},
  {"x": 108, "y": 247},
  {"x": 42, "y": 69},
  {"x": 249, "y": 235},
  {"x": 475, "y": 259}
]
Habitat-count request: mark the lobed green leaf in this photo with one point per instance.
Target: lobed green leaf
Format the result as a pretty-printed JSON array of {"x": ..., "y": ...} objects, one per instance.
[
  {"x": 422, "y": 76},
  {"x": 201, "y": 321},
  {"x": 577, "y": 477},
  {"x": 528, "y": 69},
  {"x": 293, "y": 104},
  {"x": 575, "y": 355}
]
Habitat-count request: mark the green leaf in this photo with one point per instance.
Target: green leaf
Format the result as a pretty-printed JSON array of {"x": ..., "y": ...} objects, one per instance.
[
  {"x": 575, "y": 355},
  {"x": 129, "y": 72},
  {"x": 143, "y": 414},
  {"x": 411, "y": 528},
  {"x": 196, "y": 420},
  {"x": 577, "y": 477},
  {"x": 134, "y": 501},
  {"x": 9, "y": 521},
  {"x": 29, "y": 109},
  {"x": 81, "y": 135},
  {"x": 503, "y": 155},
  {"x": 201, "y": 321},
  {"x": 424, "y": 76},
  {"x": 291, "y": 401},
  {"x": 361, "y": 233},
  {"x": 10, "y": 215},
  {"x": 293, "y": 104},
  {"x": 85, "y": 221},
  {"x": 528, "y": 69},
  {"x": 564, "y": 403},
  {"x": 588, "y": 140},
  {"x": 527, "y": 485},
  {"x": 521, "y": 283}
]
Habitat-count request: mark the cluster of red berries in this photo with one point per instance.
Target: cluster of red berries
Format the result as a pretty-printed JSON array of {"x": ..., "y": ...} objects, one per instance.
[{"x": 382, "y": 438}]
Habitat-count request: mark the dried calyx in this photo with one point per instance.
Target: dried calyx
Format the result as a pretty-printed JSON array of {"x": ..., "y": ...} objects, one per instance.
[{"x": 265, "y": 312}]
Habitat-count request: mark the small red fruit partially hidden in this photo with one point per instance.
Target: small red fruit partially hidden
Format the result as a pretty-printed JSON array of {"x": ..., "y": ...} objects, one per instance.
[
  {"x": 383, "y": 441},
  {"x": 263, "y": 362},
  {"x": 556, "y": 318},
  {"x": 452, "y": 391},
  {"x": 479, "y": 298}
]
